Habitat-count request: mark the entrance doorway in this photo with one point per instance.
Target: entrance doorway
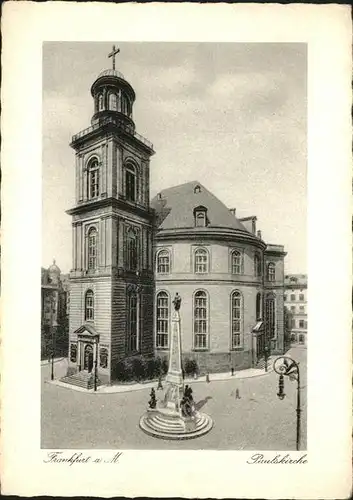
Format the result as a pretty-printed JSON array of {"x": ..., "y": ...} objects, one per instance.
[{"x": 88, "y": 358}]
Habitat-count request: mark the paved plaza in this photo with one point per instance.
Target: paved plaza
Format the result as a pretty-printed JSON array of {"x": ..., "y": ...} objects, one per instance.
[{"x": 258, "y": 420}]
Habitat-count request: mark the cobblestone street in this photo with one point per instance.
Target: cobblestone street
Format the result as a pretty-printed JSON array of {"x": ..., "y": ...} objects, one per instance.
[{"x": 258, "y": 420}]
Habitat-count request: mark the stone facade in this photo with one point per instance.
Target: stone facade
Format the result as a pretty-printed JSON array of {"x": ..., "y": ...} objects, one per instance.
[{"x": 131, "y": 257}]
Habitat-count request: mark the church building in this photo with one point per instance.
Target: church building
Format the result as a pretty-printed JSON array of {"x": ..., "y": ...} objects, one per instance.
[{"x": 131, "y": 256}]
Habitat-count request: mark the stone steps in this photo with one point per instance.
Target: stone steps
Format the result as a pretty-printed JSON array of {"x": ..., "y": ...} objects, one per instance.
[
  {"x": 81, "y": 379},
  {"x": 168, "y": 427}
]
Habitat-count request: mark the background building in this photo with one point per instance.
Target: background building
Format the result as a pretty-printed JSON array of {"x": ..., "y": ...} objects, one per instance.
[
  {"x": 55, "y": 292},
  {"x": 295, "y": 299},
  {"x": 231, "y": 282}
]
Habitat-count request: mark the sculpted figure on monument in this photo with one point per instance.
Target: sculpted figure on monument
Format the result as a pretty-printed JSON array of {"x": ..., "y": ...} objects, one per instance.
[{"x": 177, "y": 302}]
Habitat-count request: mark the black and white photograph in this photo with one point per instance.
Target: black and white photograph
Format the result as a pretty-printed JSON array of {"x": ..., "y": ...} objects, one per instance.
[{"x": 174, "y": 209}]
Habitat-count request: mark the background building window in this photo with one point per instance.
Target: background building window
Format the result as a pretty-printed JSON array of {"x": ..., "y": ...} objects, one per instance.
[
  {"x": 236, "y": 319},
  {"x": 271, "y": 272},
  {"x": 201, "y": 261},
  {"x": 89, "y": 306},
  {"x": 301, "y": 339},
  {"x": 301, "y": 297},
  {"x": 270, "y": 321},
  {"x": 130, "y": 183},
  {"x": 236, "y": 262},
  {"x": 131, "y": 250},
  {"x": 93, "y": 179},
  {"x": 292, "y": 309},
  {"x": 292, "y": 297},
  {"x": 132, "y": 322},
  {"x": 302, "y": 309},
  {"x": 258, "y": 307},
  {"x": 285, "y": 298},
  {"x": 162, "y": 318},
  {"x": 301, "y": 323},
  {"x": 163, "y": 262},
  {"x": 103, "y": 357},
  {"x": 92, "y": 248},
  {"x": 200, "y": 320}
]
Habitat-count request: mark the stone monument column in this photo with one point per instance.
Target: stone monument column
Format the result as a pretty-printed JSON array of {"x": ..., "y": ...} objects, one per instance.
[
  {"x": 174, "y": 378},
  {"x": 168, "y": 419}
]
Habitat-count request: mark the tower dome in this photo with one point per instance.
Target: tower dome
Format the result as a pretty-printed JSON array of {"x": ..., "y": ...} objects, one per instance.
[
  {"x": 54, "y": 273},
  {"x": 113, "y": 98}
]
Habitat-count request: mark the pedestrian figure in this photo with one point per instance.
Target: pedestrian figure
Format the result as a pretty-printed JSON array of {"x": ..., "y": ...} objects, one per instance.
[
  {"x": 152, "y": 402},
  {"x": 237, "y": 395},
  {"x": 159, "y": 386},
  {"x": 207, "y": 378},
  {"x": 232, "y": 371}
]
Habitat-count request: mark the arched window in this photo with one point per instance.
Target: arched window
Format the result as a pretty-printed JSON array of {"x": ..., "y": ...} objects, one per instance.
[
  {"x": 93, "y": 179},
  {"x": 200, "y": 320},
  {"x": 130, "y": 182},
  {"x": 132, "y": 322},
  {"x": 92, "y": 248},
  {"x": 237, "y": 319},
  {"x": 258, "y": 307},
  {"x": 271, "y": 272},
  {"x": 112, "y": 102},
  {"x": 100, "y": 102},
  {"x": 270, "y": 318},
  {"x": 162, "y": 318},
  {"x": 257, "y": 265},
  {"x": 131, "y": 250},
  {"x": 124, "y": 104},
  {"x": 237, "y": 262},
  {"x": 201, "y": 261},
  {"x": 89, "y": 306},
  {"x": 163, "y": 262}
]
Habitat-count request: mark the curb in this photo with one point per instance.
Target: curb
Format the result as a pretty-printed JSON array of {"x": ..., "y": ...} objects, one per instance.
[{"x": 116, "y": 389}]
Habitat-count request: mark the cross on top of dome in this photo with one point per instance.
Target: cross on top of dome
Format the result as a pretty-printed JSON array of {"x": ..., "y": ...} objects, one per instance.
[{"x": 113, "y": 54}]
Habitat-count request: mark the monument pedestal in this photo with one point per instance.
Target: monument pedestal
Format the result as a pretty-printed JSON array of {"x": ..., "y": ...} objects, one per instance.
[{"x": 168, "y": 419}]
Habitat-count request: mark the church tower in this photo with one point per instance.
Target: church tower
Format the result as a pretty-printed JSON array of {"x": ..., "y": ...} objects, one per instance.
[{"x": 112, "y": 285}]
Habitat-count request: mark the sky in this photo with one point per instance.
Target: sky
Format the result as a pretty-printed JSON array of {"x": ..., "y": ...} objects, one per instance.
[{"x": 231, "y": 115}]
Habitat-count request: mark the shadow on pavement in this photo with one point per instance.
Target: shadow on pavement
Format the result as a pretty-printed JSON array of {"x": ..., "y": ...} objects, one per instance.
[{"x": 202, "y": 403}]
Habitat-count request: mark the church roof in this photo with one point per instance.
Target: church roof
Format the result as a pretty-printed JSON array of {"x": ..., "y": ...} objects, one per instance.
[{"x": 175, "y": 208}]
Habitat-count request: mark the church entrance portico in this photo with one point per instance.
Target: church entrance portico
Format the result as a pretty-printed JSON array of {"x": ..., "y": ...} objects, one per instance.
[
  {"x": 88, "y": 358},
  {"x": 87, "y": 348}
]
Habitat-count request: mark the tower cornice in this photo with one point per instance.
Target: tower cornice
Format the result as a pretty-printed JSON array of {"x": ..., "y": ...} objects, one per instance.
[{"x": 86, "y": 208}]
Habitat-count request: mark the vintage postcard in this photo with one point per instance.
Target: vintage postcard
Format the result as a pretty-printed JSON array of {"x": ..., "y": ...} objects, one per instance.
[{"x": 176, "y": 195}]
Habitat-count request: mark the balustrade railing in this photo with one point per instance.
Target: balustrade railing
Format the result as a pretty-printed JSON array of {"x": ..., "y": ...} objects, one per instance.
[{"x": 120, "y": 125}]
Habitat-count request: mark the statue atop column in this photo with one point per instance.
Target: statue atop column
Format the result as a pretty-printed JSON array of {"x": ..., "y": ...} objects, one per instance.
[
  {"x": 175, "y": 416},
  {"x": 177, "y": 302}
]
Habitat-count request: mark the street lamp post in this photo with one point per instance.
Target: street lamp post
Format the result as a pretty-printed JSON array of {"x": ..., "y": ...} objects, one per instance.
[
  {"x": 53, "y": 325},
  {"x": 286, "y": 366},
  {"x": 95, "y": 369}
]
